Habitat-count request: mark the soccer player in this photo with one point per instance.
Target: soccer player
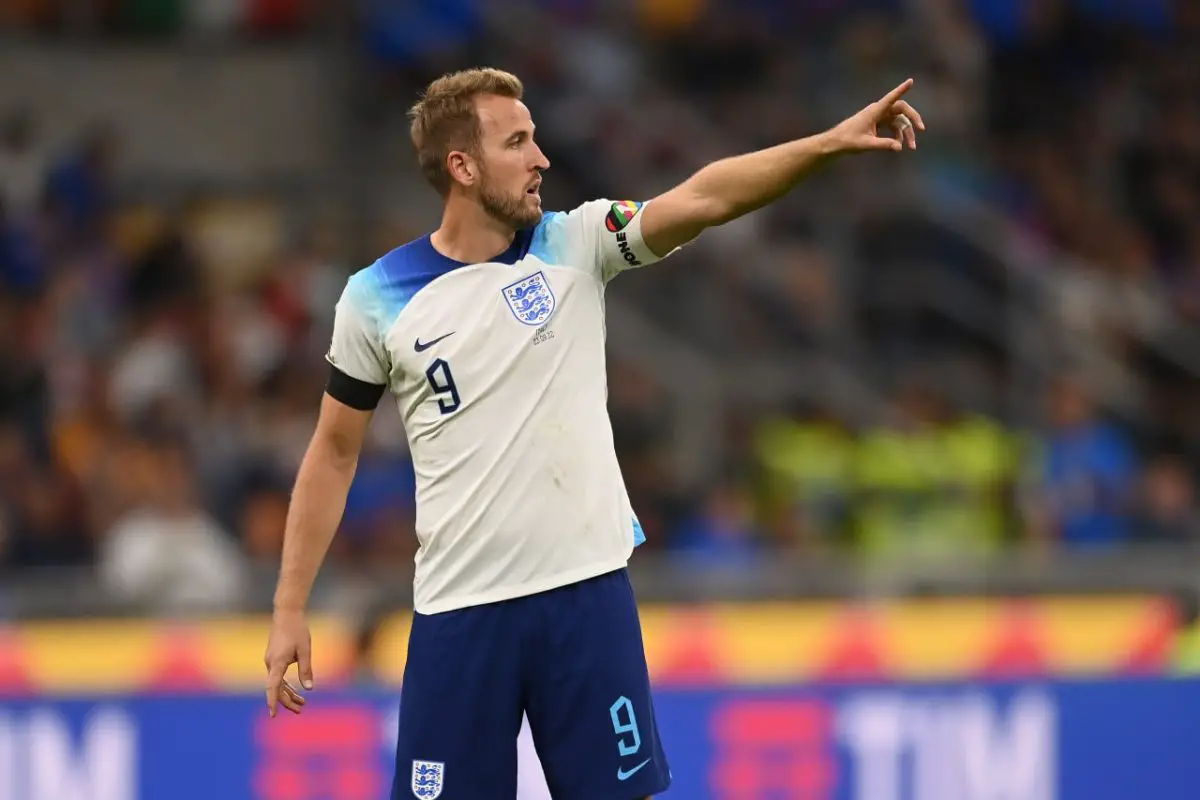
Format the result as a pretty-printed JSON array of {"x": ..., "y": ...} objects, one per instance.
[{"x": 490, "y": 334}]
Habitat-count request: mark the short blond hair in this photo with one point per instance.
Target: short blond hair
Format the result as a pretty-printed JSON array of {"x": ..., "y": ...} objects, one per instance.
[{"x": 444, "y": 119}]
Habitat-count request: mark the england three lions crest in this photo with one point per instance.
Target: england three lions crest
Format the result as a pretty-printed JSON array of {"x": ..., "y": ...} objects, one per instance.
[
  {"x": 531, "y": 300},
  {"x": 427, "y": 779}
]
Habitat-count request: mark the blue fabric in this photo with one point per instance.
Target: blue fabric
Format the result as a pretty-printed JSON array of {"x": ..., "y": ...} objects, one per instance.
[
  {"x": 549, "y": 238},
  {"x": 384, "y": 487},
  {"x": 383, "y": 289},
  {"x": 79, "y": 191},
  {"x": 706, "y": 541},
  {"x": 407, "y": 30},
  {"x": 1090, "y": 474},
  {"x": 1003, "y": 21},
  {"x": 21, "y": 265},
  {"x": 571, "y": 658}
]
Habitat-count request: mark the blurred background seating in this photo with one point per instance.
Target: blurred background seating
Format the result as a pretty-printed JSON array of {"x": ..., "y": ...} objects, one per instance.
[{"x": 977, "y": 360}]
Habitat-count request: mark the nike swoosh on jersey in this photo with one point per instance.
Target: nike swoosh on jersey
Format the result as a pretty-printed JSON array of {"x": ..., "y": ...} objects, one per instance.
[
  {"x": 624, "y": 775},
  {"x": 422, "y": 347}
]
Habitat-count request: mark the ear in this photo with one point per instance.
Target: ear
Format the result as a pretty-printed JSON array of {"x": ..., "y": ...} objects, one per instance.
[{"x": 462, "y": 168}]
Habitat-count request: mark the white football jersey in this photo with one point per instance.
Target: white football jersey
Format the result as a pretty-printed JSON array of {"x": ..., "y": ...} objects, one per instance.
[{"x": 498, "y": 370}]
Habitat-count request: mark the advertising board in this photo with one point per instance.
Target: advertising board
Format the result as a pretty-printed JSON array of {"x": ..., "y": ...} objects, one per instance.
[{"x": 1097, "y": 740}]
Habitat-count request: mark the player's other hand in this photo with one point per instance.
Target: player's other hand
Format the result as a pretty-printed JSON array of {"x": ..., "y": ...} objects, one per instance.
[
  {"x": 289, "y": 643},
  {"x": 887, "y": 124}
]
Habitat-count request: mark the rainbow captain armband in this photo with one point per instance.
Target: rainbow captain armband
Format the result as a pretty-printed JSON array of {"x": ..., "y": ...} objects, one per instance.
[{"x": 621, "y": 214}]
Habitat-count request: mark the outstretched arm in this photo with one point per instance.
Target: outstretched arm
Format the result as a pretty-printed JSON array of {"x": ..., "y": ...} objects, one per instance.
[{"x": 727, "y": 189}]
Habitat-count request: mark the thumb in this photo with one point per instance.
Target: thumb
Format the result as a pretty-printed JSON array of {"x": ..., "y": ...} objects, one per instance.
[
  {"x": 304, "y": 666},
  {"x": 881, "y": 143}
]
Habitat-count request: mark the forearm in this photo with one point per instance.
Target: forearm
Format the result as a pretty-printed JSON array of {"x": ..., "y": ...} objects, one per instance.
[
  {"x": 318, "y": 502},
  {"x": 740, "y": 184},
  {"x": 731, "y": 187}
]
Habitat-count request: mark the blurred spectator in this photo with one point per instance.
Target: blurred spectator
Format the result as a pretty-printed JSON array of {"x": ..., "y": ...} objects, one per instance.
[
  {"x": 303, "y": 291},
  {"x": 642, "y": 426},
  {"x": 262, "y": 520},
  {"x": 722, "y": 532},
  {"x": 164, "y": 275},
  {"x": 22, "y": 165},
  {"x": 84, "y": 430},
  {"x": 21, "y": 260},
  {"x": 933, "y": 483},
  {"x": 25, "y": 390},
  {"x": 409, "y": 32},
  {"x": 798, "y": 296},
  {"x": 42, "y": 521},
  {"x": 277, "y": 17},
  {"x": 1087, "y": 476},
  {"x": 47, "y": 527},
  {"x": 80, "y": 185},
  {"x": 380, "y": 509},
  {"x": 1184, "y": 281},
  {"x": 641, "y": 406},
  {"x": 1160, "y": 173},
  {"x": 1077, "y": 119},
  {"x": 13, "y": 460},
  {"x": 806, "y": 460},
  {"x": 165, "y": 550},
  {"x": 1167, "y": 512},
  {"x": 155, "y": 374}
]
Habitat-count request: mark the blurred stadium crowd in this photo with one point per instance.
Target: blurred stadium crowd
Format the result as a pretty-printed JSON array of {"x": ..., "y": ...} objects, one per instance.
[{"x": 154, "y": 404}]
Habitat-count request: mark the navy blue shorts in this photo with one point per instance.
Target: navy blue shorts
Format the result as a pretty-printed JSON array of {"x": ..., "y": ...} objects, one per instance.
[{"x": 571, "y": 658}]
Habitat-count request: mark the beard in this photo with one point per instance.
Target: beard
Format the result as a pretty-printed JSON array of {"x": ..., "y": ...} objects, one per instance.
[{"x": 515, "y": 209}]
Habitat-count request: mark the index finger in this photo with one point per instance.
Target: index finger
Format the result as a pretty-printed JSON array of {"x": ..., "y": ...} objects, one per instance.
[
  {"x": 895, "y": 94},
  {"x": 274, "y": 678}
]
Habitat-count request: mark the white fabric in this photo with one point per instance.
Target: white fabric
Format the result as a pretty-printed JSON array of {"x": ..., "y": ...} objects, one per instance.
[{"x": 518, "y": 485}]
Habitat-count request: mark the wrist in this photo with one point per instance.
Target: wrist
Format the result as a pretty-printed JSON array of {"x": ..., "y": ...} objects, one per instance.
[
  {"x": 288, "y": 606},
  {"x": 829, "y": 143}
]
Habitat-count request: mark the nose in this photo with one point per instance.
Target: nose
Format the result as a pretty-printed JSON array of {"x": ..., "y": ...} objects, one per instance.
[{"x": 541, "y": 162}]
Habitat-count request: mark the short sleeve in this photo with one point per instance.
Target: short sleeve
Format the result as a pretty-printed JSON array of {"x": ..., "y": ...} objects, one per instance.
[
  {"x": 607, "y": 234},
  {"x": 357, "y": 349}
]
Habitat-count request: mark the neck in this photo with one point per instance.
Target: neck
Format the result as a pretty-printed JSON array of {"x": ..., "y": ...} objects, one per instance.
[{"x": 469, "y": 234}]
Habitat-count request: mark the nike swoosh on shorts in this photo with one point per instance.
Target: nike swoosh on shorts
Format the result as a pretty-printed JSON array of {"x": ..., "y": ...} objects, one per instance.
[{"x": 623, "y": 775}]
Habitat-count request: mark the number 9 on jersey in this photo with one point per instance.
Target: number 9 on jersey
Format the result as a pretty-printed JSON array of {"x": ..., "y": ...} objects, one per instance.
[{"x": 441, "y": 381}]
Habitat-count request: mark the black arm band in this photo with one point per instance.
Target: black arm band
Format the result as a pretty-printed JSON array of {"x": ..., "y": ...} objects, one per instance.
[{"x": 353, "y": 392}]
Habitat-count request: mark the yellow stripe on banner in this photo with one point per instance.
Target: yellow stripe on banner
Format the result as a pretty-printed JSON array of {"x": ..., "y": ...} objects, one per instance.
[
  {"x": 89, "y": 656},
  {"x": 234, "y": 649},
  {"x": 934, "y": 639},
  {"x": 754, "y": 643},
  {"x": 679, "y": 644},
  {"x": 1092, "y": 636},
  {"x": 391, "y": 647},
  {"x": 777, "y": 643}
]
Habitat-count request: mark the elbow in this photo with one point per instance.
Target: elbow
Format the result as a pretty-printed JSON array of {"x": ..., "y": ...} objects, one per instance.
[
  {"x": 344, "y": 457},
  {"x": 709, "y": 209},
  {"x": 717, "y": 211},
  {"x": 709, "y": 197},
  {"x": 335, "y": 451}
]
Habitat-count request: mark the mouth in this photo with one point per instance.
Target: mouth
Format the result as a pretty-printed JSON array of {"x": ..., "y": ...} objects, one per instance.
[{"x": 534, "y": 189}]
